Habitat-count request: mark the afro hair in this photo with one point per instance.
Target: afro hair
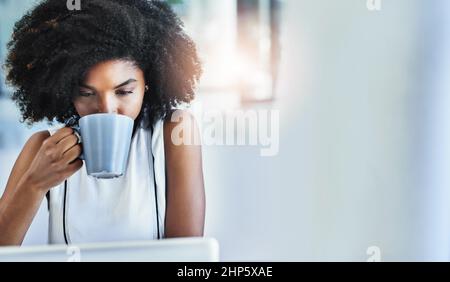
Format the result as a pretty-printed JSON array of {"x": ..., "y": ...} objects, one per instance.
[{"x": 52, "y": 48}]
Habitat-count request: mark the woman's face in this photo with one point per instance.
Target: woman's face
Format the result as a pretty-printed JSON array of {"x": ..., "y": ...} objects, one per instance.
[{"x": 114, "y": 86}]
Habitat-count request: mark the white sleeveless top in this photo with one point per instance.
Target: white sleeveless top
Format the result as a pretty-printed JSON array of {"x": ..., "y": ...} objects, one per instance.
[{"x": 119, "y": 209}]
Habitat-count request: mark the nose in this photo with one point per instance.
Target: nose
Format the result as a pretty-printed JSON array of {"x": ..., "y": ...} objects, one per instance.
[{"x": 107, "y": 104}]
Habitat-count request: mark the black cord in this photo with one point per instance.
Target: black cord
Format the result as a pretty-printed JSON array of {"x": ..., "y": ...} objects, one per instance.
[
  {"x": 64, "y": 213},
  {"x": 47, "y": 195},
  {"x": 156, "y": 198},
  {"x": 156, "y": 194}
]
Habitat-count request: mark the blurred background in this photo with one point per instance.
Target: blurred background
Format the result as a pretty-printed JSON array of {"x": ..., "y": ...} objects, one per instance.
[{"x": 362, "y": 90}]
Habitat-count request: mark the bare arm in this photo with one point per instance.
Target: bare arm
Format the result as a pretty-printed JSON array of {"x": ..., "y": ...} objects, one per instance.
[
  {"x": 185, "y": 212},
  {"x": 19, "y": 194},
  {"x": 43, "y": 163}
]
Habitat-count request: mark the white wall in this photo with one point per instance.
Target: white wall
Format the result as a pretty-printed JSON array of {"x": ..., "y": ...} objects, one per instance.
[
  {"x": 435, "y": 131},
  {"x": 347, "y": 176}
]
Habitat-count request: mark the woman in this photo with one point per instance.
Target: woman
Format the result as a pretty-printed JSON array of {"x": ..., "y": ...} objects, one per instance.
[{"x": 129, "y": 57}]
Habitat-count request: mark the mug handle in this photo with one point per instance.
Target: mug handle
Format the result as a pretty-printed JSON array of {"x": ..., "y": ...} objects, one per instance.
[{"x": 76, "y": 131}]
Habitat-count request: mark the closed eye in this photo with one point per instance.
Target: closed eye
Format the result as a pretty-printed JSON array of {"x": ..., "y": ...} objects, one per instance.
[
  {"x": 123, "y": 92},
  {"x": 86, "y": 94}
]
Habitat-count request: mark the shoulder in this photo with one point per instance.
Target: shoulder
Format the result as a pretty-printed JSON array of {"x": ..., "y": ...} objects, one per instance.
[
  {"x": 182, "y": 141},
  {"x": 181, "y": 128},
  {"x": 178, "y": 117}
]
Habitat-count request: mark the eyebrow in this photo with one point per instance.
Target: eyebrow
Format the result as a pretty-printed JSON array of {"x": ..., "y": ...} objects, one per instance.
[{"x": 120, "y": 85}]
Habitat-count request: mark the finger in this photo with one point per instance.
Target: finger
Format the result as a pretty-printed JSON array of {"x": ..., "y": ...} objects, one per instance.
[
  {"x": 66, "y": 143},
  {"x": 60, "y": 134},
  {"x": 72, "y": 154},
  {"x": 74, "y": 166}
]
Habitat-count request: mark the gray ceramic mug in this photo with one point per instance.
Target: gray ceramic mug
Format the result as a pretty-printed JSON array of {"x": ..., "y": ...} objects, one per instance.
[{"x": 106, "y": 140}]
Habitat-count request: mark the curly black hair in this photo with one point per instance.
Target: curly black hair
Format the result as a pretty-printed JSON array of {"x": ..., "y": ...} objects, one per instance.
[{"x": 52, "y": 48}]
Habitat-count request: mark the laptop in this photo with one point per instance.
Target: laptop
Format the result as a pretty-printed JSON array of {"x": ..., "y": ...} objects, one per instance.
[{"x": 197, "y": 249}]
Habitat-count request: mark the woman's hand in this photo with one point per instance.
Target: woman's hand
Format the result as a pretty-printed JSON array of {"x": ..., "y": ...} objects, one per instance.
[{"x": 56, "y": 160}]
